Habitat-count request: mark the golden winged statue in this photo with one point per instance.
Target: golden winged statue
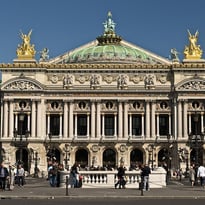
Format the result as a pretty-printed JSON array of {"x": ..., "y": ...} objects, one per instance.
[
  {"x": 193, "y": 51},
  {"x": 25, "y": 50}
]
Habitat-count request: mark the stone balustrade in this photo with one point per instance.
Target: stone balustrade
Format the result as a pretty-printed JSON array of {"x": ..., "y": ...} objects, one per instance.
[{"x": 103, "y": 179}]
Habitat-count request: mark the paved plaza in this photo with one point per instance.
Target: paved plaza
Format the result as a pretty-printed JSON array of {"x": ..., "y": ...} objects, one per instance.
[{"x": 39, "y": 188}]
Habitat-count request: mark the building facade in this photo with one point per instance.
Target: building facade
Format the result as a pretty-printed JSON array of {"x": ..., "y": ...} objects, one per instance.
[{"x": 106, "y": 102}]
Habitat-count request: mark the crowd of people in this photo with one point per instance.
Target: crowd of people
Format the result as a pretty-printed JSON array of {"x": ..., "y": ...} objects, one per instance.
[{"x": 14, "y": 174}]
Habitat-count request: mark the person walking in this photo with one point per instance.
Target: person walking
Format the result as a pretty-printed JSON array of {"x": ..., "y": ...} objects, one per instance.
[
  {"x": 201, "y": 175},
  {"x": 120, "y": 175},
  {"x": 20, "y": 175},
  {"x": 192, "y": 174},
  {"x": 145, "y": 172},
  {"x": 4, "y": 175}
]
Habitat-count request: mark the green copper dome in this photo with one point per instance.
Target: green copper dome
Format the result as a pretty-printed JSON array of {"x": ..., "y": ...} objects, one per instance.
[{"x": 108, "y": 49}]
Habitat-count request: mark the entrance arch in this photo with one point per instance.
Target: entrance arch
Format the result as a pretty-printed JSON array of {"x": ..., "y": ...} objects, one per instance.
[
  {"x": 136, "y": 158},
  {"x": 164, "y": 159},
  {"x": 196, "y": 156},
  {"x": 23, "y": 158},
  {"x": 81, "y": 157},
  {"x": 109, "y": 159}
]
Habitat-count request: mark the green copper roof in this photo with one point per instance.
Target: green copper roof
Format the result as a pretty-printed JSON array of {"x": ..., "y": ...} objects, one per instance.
[{"x": 109, "y": 48}]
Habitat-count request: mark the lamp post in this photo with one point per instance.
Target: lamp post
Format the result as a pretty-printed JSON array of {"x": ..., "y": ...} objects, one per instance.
[
  {"x": 21, "y": 143},
  {"x": 67, "y": 155},
  {"x": 49, "y": 147},
  {"x": 36, "y": 159}
]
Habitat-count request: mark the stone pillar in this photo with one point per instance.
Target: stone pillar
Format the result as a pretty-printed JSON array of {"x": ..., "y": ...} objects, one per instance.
[
  {"x": 48, "y": 123},
  {"x": 65, "y": 120},
  {"x": 115, "y": 124},
  {"x": 76, "y": 125},
  {"x": 153, "y": 131},
  {"x": 43, "y": 114},
  {"x": 143, "y": 125},
  {"x": 185, "y": 119},
  {"x": 88, "y": 124},
  {"x": 11, "y": 119},
  {"x": 157, "y": 124},
  {"x": 130, "y": 127},
  {"x": 61, "y": 125},
  {"x": 5, "y": 124},
  {"x": 125, "y": 120},
  {"x": 33, "y": 119},
  {"x": 120, "y": 120},
  {"x": 93, "y": 119},
  {"x": 16, "y": 121},
  {"x": 175, "y": 127},
  {"x": 170, "y": 124},
  {"x": 98, "y": 120},
  {"x": 190, "y": 123},
  {"x": 147, "y": 119},
  {"x": 71, "y": 120},
  {"x": 202, "y": 122},
  {"x": 103, "y": 125},
  {"x": 179, "y": 119},
  {"x": 39, "y": 119}
]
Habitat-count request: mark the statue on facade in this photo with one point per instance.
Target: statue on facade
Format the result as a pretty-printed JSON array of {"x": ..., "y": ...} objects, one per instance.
[
  {"x": 174, "y": 55},
  {"x": 44, "y": 54},
  {"x": 26, "y": 50},
  {"x": 193, "y": 51},
  {"x": 109, "y": 25}
]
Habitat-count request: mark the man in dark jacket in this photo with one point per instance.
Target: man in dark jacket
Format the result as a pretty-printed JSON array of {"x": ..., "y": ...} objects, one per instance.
[
  {"x": 145, "y": 172},
  {"x": 120, "y": 174},
  {"x": 4, "y": 174}
]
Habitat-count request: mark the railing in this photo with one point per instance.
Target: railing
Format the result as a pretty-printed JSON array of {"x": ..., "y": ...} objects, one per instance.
[{"x": 103, "y": 179}]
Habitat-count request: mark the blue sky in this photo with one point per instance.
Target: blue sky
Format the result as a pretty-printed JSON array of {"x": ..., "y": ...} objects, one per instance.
[{"x": 62, "y": 25}]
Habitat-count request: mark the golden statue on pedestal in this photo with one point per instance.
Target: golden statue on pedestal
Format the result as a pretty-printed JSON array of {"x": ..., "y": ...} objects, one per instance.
[
  {"x": 193, "y": 51},
  {"x": 25, "y": 51}
]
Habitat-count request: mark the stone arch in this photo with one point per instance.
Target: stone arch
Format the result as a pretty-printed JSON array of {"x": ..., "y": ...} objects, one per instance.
[
  {"x": 22, "y": 83},
  {"x": 81, "y": 157},
  {"x": 109, "y": 158},
  {"x": 136, "y": 158}
]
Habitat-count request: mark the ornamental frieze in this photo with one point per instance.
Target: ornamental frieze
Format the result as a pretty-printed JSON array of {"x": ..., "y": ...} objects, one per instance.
[
  {"x": 68, "y": 81},
  {"x": 193, "y": 85},
  {"x": 162, "y": 79},
  {"x": 108, "y": 79},
  {"x": 82, "y": 79},
  {"x": 22, "y": 85},
  {"x": 136, "y": 79},
  {"x": 95, "y": 81}
]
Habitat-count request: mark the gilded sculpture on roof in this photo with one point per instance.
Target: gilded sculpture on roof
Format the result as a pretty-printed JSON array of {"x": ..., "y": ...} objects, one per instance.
[
  {"x": 193, "y": 51},
  {"x": 25, "y": 50}
]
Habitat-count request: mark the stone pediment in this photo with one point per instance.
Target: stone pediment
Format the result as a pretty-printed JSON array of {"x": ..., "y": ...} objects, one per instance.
[
  {"x": 20, "y": 84},
  {"x": 196, "y": 84}
]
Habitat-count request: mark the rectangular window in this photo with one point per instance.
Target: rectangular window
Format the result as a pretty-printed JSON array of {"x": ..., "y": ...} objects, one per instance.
[
  {"x": 82, "y": 125},
  {"x": 55, "y": 124},
  {"x": 163, "y": 125},
  {"x": 109, "y": 125},
  {"x": 136, "y": 125}
]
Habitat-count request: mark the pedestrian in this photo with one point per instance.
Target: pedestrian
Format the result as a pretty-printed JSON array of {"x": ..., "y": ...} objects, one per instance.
[
  {"x": 52, "y": 174},
  {"x": 74, "y": 175},
  {"x": 11, "y": 177},
  {"x": 121, "y": 177},
  {"x": 4, "y": 175},
  {"x": 145, "y": 172},
  {"x": 201, "y": 175},
  {"x": 192, "y": 174},
  {"x": 20, "y": 175}
]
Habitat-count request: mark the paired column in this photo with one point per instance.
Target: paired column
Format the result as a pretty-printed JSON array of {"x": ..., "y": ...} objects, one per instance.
[
  {"x": 71, "y": 120},
  {"x": 125, "y": 120},
  {"x": 65, "y": 120},
  {"x": 33, "y": 119},
  {"x": 179, "y": 119},
  {"x": 98, "y": 120},
  {"x": 5, "y": 123},
  {"x": 93, "y": 120},
  {"x": 153, "y": 131},
  {"x": 185, "y": 107},
  {"x": 11, "y": 119},
  {"x": 147, "y": 119},
  {"x": 120, "y": 120}
]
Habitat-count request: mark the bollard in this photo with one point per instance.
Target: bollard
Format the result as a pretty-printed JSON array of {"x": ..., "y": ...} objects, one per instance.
[
  {"x": 66, "y": 186},
  {"x": 142, "y": 186}
]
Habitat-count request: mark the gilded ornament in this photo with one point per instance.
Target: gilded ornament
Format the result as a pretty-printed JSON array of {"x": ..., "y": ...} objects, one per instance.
[
  {"x": 193, "y": 51},
  {"x": 26, "y": 51}
]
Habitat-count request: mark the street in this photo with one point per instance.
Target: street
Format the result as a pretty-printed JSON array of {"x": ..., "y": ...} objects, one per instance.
[{"x": 103, "y": 201}]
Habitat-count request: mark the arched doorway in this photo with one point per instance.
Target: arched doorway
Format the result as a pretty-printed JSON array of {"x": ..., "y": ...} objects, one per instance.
[
  {"x": 23, "y": 158},
  {"x": 136, "y": 158},
  {"x": 109, "y": 159},
  {"x": 81, "y": 157},
  {"x": 196, "y": 157},
  {"x": 164, "y": 159}
]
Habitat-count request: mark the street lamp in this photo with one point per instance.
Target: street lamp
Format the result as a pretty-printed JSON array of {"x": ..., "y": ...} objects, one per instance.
[
  {"x": 151, "y": 148},
  {"x": 67, "y": 155},
  {"x": 36, "y": 160},
  {"x": 49, "y": 147},
  {"x": 21, "y": 143}
]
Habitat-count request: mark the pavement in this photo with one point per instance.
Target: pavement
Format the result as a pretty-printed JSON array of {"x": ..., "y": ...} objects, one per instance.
[{"x": 38, "y": 188}]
